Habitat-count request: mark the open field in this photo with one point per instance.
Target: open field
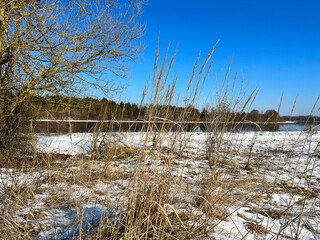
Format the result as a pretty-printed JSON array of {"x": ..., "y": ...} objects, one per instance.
[
  {"x": 262, "y": 185},
  {"x": 182, "y": 151}
]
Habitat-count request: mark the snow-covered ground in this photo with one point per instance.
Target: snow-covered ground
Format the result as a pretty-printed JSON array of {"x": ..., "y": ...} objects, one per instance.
[{"x": 269, "y": 182}]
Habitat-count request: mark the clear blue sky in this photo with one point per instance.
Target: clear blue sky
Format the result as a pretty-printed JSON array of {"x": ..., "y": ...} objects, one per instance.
[{"x": 275, "y": 45}]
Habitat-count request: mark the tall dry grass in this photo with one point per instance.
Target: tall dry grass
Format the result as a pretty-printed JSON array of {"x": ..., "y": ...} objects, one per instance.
[{"x": 155, "y": 199}]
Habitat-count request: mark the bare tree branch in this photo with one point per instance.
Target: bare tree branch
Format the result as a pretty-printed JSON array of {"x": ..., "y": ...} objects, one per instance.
[{"x": 63, "y": 47}]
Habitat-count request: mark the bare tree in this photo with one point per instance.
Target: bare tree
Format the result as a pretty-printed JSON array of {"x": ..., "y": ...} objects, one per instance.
[{"x": 62, "y": 47}]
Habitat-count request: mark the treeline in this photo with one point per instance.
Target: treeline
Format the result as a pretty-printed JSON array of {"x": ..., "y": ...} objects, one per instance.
[
  {"x": 57, "y": 107},
  {"x": 177, "y": 118},
  {"x": 304, "y": 119},
  {"x": 267, "y": 116}
]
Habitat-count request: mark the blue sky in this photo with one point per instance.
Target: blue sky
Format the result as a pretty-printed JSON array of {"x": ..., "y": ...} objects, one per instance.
[{"x": 274, "y": 44}]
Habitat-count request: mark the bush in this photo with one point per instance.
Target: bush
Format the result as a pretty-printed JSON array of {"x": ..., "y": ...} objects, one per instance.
[{"x": 14, "y": 125}]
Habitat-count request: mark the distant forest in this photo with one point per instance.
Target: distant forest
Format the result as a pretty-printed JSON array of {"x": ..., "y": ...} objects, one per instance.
[
  {"x": 63, "y": 108},
  {"x": 303, "y": 119},
  {"x": 57, "y": 107}
]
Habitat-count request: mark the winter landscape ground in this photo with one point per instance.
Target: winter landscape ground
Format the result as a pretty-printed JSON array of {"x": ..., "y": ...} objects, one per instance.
[
  {"x": 261, "y": 185},
  {"x": 63, "y": 62}
]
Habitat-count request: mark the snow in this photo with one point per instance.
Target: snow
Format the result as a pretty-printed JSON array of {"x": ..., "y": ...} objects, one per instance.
[
  {"x": 82, "y": 218},
  {"x": 284, "y": 173}
]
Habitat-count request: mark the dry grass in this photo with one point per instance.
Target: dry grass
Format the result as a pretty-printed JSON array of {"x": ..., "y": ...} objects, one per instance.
[
  {"x": 152, "y": 188},
  {"x": 150, "y": 198}
]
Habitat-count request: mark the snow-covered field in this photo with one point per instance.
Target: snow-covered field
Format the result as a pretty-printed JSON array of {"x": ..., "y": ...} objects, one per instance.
[{"x": 265, "y": 184}]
